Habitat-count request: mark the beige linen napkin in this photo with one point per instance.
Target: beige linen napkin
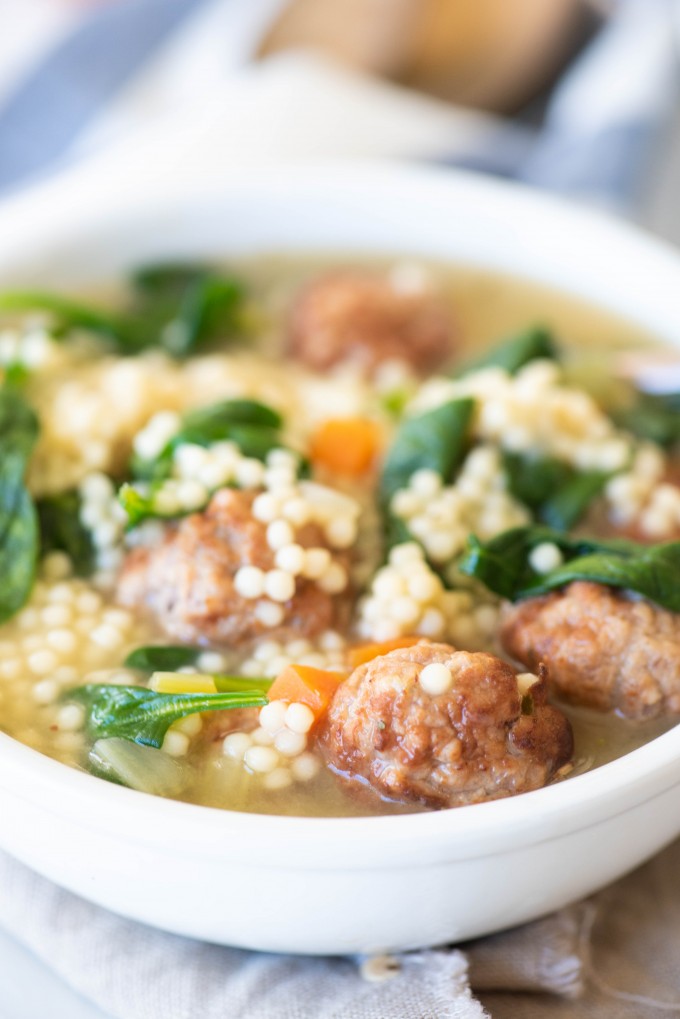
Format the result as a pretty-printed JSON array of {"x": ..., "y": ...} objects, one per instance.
[
  {"x": 134, "y": 972},
  {"x": 627, "y": 951},
  {"x": 616, "y": 956}
]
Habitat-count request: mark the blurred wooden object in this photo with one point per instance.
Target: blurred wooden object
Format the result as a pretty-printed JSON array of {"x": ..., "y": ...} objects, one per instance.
[
  {"x": 492, "y": 54},
  {"x": 372, "y": 35}
]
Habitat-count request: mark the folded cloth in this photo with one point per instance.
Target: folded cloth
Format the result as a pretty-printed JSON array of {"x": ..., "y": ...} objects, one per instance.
[
  {"x": 627, "y": 951},
  {"x": 612, "y": 957},
  {"x": 134, "y": 972}
]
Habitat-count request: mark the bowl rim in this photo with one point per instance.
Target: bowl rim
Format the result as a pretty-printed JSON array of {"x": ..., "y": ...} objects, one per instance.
[
  {"x": 464, "y": 832},
  {"x": 482, "y": 829},
  {"x": 42, "y": 213}
]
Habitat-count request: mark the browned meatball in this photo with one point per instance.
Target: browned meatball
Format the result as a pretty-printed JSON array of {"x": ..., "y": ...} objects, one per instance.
[
  {"x": 469, "y": 744},
  {"x": 602, "y": 648},
  {"x": 361, "y": 318},
  {"x": 187, "y": 582}
]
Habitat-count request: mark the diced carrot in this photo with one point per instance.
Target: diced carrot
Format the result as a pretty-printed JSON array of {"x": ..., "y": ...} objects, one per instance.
[
  {"x": 179, "y": 682},
  {"x": 303, "y": 684},
  {"x": 363, "y": 653},
  {"x": 346, "y": 445}
]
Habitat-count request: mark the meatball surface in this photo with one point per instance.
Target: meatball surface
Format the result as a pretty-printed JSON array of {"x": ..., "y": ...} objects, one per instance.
[
  {"x": 471, "y": 743},
  {"x": 187, "y": 582},
  {"x": 361, "y": 318},
  {"x": 603, "y": 649}
]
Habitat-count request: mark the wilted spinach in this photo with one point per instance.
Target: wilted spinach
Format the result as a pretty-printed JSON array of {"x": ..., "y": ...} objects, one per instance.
[
  {"x": 556, "y": 493},
  {"x": 252, "y": 426},
  {"x": 162, "y": 657},
  {"x": 514, "y": 353},
  {"x": 175, "y": 307},
  {"x": 144, "y": 716},
  {"x": 502, "y": 564},
  {"x": 435, "y": 440},
  {"x": 655, "y": 417},
  {"x": 19, "y": 544},
  {"x": 61, "y": 529}
]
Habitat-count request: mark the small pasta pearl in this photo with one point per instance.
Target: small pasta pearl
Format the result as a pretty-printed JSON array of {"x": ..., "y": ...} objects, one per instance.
[
  {"x": 71, "y": 717},
  {"x": 62, "y": 640},
  {"x": 265, "y": 508},
  {"x": 305, "y": 767},
  {"x": 341, "y": 532},
  {"x": 436, "y": 679},
  {"x": 235, "y": 745},
  {"x": 175, "y": 743},
  {"x": 290, "y": 744},
  {"x": 296, "y": 511},
  {"x": 545, "y": 557},
  {"x": 46, "y": 691},
  {"x": 269, "y": 613},
  {"x": 273, "y": 716},
  {"x": 42, "y": 662},
  {"x": 291, "y": 558},
  {"x": 279, "y": 534},
  {"x": 334, "y": 580},
  {"x": 299, "y": 718},
  {"x": 279, "y": 778},
  {"x": 107, "y": 636},
  {"x": 279, "y": 585},
  {"x": 211, "y": 661},
  {"x": 261, "y": 759},
  {"x": 317, "y": 561},
  {"x": 249, "y": 582},
  {"x": 262, "y": 737}
]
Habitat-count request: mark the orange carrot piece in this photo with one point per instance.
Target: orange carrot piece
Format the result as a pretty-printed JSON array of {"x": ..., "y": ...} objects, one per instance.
[
  {"x": 303, "y": 684},
  {"x": 346, "y": 445},
  {"x": 363, "y": 653}
]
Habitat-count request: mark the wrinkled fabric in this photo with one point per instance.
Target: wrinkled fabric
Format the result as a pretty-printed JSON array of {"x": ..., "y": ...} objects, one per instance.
[{"x": 134, "y": 972}]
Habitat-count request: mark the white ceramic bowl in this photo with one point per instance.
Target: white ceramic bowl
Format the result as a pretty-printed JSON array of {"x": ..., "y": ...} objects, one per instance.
[{"x": 364, "y": 884}]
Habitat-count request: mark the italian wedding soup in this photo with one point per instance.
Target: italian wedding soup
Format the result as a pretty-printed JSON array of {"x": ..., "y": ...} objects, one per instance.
[{"x": 335, "y": 536}]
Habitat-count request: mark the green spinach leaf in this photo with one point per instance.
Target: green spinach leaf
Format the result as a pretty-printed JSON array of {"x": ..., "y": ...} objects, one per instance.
[
  {"x": 144, "y": 716},
  {"x": 18, "y": 519},
  {"x": 555, "y": 492},
  {"x": 502, "y": 565},
  {"x": 653, "y": 417},
  {"x": 534, "y": 479},
  {"x": 215, "y": 416},
  {"x": 19, "y": 427},
  {"x": 162, "y": 657},
  {"x": 514, "y": 353},
  {"x": 436, "y": 440},
  {"x": 173, "y": 657},
  {"x": 177, "y": 308},
  {"x": 67, "y": 314},
  {"x": 61, "y": 529},
  {"x": 565, "y": 508},
  {"x": 253, "y": 426}
]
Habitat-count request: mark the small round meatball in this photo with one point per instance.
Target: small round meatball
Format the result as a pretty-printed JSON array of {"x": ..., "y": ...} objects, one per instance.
[
  {"x": 603, "y": 648},
  {"x": 362, "y": 319},
  {"x": 476, "y": 737},
  {"x": 187, "y": 582}
]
